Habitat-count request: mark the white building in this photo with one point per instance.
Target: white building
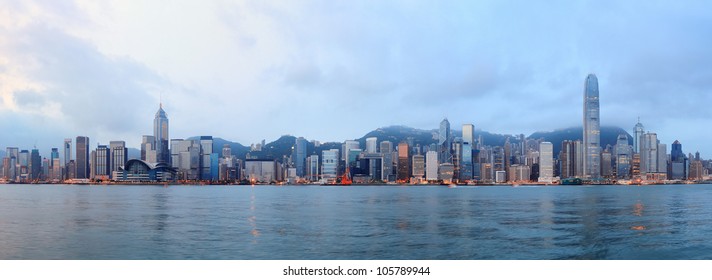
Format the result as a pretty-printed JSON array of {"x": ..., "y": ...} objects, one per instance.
[
  {"x": 546, "y": 162},
  {"x": 371, "y": 145},
  {"x": 329, "y": 164},
  {"x": 431, "y": 166}
]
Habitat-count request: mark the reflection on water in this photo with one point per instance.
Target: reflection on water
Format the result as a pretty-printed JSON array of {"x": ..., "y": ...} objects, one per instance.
[{"x": 364, "y": 222}]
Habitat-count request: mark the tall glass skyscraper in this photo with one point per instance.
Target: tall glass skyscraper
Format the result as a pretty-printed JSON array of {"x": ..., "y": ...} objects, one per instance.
[
  {"x": 638, "y": 131},
  {"x": 591, "y": 129},
  {"x": 160, "y": 132},
  {"x": 82, "y": 159},
  {"x": 444, "y": 143},
  {"x": 300, "y": 156}
]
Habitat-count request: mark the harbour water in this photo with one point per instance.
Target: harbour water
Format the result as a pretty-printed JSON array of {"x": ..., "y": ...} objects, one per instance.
[{"x": 355, "y": 222}]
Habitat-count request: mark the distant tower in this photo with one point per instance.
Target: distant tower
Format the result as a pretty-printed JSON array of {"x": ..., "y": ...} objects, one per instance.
[
  {"x": 444, "y": 142},
  {"x": 591, "y": 129},
  {"x": 638, "y": 132},
  {"x": 160, "y": 132}
]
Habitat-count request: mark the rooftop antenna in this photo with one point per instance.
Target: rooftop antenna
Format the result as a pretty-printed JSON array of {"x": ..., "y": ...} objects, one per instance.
[{"x": 160, "y": 100}]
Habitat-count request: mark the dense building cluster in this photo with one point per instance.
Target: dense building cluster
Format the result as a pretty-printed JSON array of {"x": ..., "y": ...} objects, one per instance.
[{"x": 464, "y": 159}]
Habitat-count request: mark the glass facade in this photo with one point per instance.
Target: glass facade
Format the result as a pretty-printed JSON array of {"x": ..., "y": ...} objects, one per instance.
[{"x": 591, "y": 129}]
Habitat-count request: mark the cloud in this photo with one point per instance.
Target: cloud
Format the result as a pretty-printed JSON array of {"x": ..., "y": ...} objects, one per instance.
[
  {"x": 334, "y": 70},
  {"x": 66, "y": 81}
]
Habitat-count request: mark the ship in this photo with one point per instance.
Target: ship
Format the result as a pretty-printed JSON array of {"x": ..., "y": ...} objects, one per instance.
[{"x": 572, "y": 181}]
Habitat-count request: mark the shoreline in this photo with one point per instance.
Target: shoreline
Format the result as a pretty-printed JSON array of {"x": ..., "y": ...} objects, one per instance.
[{"x": 199, "y": 183}]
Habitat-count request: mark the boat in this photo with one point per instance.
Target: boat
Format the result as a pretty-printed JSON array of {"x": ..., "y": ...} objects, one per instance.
[{"x": 572, "y": 181}]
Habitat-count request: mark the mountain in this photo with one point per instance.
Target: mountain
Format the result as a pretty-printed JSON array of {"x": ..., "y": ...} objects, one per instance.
[
  {"x": 134, "y": 153},
  {"x": 237, "y": 149},
  {"x": 421, "y": 137},
  {"x": 609, "y": 136}
]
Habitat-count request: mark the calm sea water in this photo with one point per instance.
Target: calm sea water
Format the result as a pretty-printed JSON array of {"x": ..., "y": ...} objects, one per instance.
[{"x": 357, "y": 222}]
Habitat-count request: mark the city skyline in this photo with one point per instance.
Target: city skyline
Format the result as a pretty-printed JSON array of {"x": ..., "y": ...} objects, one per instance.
[{"x": 252, "y": 71}]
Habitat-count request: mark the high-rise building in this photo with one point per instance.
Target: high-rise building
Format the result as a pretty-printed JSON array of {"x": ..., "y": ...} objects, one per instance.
[
  {"x": 347, "y": 147},
  {"x": 623, "y": 157},
  {"x": 67, "y": 147},
  {"x": 386, "y": 149},
  {"x": 55, "y": 169},
  {"x": 431, "y": 166},
  {"x": 371, "y": 145},
  {"x": 638, "y": 132},
  {"x": 649, "y": 153},
  {"x": 578, "y": 159},
  {"x": 566, "y": 160},
  {"x": 696, "y": 170},
  {"x": 662, "y": 158},
  {"x": 23, "y": 163},
  {"x": 466, "y": 164},
  {"x": 118, "y": 157},
  {"x": 313, "y": 168},
  {"x": 606, "y": 164},
  {"x": 82, "y": 158},
  {"x": 9, "y": 163},
  {"x": 546, "y": 162},
  {"x": 300, "y": 156},
  {"x": 403, "y": 162},
  {"x": 226, "y": 151},
  {"x": 591, "y": 129},
  {"x": 418, "y": 166},
  {"x": 208, "y": 170},
  {"x": 444, "y": 142},
  {"x": 329, "y": 164},
  {"x": 102, "y": 163},
  {"x": 679, "y": 163},
  {"x": 35, "y": 165},
  {"x": 147, "y": 145},
  {"x": 160, "y": 133},
  {"x": 185, "y": 158}
]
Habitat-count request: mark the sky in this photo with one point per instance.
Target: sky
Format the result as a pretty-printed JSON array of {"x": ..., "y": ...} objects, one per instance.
[{"x": 335, "y": 70}]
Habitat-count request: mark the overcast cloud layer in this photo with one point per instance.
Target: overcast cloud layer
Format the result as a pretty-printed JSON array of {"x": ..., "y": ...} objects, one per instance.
[{"x": 334, "y": 70}]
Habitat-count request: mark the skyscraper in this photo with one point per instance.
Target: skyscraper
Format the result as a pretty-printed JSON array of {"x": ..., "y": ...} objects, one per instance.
[
  {"x": 82, "y": 158},
  {"x": 102, "y": 163},
  {"x": 371, "y": 144},
  {"x": 431, "y": 166},
  {"x": 649, "y": 153},
  {"x": 623, "y": 157},
  {"x": 444, "y": 141},
  {"x": 160, "y": 132},
  {"x": 591, "y": 129},
  {"x": 118, "y": 157},
  {"x": 329, "y": 164},
  {"x": 546, "y": 162},
  {"x": 148, "y": 147},
  {"x": 638, "y": 131},
  {"x": 386, "y": 148},
  {"x": 300, "y": 158},
  {"x": 67, "y": 147},
  {"x": 206, "y": 162},
  {"x": 403, "y": 162},
  {"x": 468, "y": 138},
  {"x": 678, "y": 162},
  {"x": 35, "y": 164}
]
